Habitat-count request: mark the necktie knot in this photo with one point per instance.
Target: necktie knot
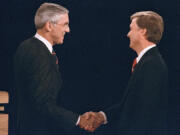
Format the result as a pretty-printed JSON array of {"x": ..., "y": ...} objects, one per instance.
[
  {"x": 134, "y": 64},
  {"x": 53, "y": 52}
]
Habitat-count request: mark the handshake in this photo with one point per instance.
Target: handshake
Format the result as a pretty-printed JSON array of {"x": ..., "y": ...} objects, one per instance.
[{"x": 91, "y": 120}]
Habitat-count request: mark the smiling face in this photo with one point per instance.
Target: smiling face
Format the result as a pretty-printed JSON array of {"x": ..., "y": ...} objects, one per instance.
[
  {"x": 134, "y": 34},
  {"x": 59, "y": 29}
]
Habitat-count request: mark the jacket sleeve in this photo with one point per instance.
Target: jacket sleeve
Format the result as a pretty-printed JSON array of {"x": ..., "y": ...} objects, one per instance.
[{"x": 43, "y": 83}]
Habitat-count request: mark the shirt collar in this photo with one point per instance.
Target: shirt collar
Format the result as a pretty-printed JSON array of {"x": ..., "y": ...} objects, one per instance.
[
  {"x": 144, "y": 51},
  {"x": 45, "y": 41}
]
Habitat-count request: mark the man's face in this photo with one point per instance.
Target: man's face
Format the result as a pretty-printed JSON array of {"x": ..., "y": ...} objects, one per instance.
[
  {"x": 134, "y": 34},
  {"x": 60, "y": 29}
]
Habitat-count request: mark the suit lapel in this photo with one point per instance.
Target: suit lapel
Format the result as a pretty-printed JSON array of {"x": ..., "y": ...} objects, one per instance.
[
  {"x": 51, "y": 57},
  {"x": 148, "y": 55},
  {"x": 53, "y": 61}
]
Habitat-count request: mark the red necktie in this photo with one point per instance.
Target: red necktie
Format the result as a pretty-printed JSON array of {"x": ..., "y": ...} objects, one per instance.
[
  {"x": 134, "y": 64},
  {"x": 54, "y": 54}
]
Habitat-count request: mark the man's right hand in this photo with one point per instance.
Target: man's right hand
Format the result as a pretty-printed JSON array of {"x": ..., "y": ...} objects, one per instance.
[{"x": 91, "y": 120}]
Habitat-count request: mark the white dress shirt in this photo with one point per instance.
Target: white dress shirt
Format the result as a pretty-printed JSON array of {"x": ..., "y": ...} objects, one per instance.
[
  {"x": 45, "y": 41},
  {"x": 143, "y": 52}
]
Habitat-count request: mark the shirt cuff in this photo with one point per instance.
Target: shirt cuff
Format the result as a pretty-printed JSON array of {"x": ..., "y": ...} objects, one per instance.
[
  {"x": 105, "y": 118},
  {"x": 78, "y": 121}
]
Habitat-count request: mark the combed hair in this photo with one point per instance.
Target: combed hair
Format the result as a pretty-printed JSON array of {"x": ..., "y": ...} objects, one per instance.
[
  {"x": 152, "y": 22},
  {"x": 48, "y": 12}
]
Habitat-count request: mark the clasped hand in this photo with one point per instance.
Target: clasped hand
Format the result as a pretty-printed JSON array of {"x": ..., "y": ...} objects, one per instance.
[{"x": 90, "y": 121}]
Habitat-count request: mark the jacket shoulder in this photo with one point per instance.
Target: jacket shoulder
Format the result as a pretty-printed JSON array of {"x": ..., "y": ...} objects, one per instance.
[{"x": 32, "y": 46}]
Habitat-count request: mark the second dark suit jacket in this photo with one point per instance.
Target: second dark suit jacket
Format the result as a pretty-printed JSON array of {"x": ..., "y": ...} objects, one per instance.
[
  {"x": 143, "y": 108},
  {"x": 38, "y": 82}
]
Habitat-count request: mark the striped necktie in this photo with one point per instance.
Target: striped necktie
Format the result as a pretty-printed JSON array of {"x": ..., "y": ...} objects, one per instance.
[{"x": 55, "y": 57}]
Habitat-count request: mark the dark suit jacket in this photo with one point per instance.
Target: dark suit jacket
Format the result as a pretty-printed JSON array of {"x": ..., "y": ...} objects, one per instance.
[
  {"x": 143, "y": 108},
  {"x": 38, "y": 82}
]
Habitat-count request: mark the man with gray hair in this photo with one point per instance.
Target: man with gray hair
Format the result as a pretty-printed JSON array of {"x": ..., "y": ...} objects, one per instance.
[{"x": 38, "y": 80}]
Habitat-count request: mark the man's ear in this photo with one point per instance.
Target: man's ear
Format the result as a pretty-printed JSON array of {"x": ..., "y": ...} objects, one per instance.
[
  {"x": 143, "y": 32},
  {"x": 48, "y": 26}
]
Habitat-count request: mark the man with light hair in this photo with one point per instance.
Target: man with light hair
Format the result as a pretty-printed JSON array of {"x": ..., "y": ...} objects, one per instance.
[
  {"x": 38, "y": 80},
  {"x": 143, "y": 108}
]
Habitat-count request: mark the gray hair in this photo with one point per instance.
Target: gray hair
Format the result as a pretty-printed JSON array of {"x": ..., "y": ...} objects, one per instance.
[{"x": 48, "y": 12}]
